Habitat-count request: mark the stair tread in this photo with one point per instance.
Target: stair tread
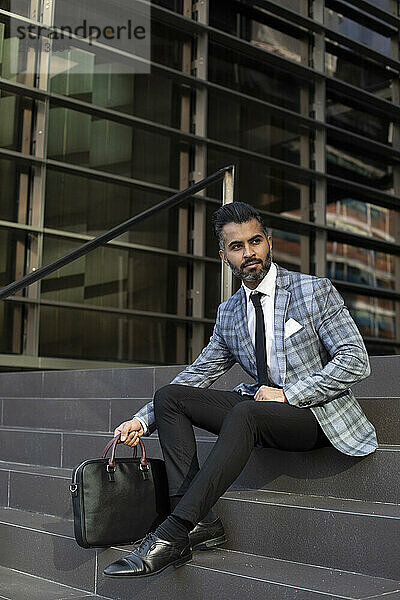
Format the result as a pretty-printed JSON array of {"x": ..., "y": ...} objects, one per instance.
[
  {"x": 14, "y": 586},
  {"x": 300, "y": 575},
  {"x": 362, "y": 507},
  {"x": 32, "y": 469}
]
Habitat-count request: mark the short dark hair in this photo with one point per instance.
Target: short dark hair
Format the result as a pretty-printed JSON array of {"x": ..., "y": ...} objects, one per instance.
[{"x": 235, "y": 212}]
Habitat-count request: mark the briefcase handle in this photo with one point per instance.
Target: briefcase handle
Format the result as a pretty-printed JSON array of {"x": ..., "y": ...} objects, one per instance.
[{"x": 113, "y": 445}]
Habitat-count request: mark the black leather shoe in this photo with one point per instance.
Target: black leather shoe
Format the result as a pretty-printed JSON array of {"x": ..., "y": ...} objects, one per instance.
[
  {"x": 153, "y": 555},
  {"x": 206, "y": 536}
]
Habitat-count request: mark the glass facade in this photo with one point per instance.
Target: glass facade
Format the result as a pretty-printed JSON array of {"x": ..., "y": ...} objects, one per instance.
[{"x": 309, "y": 115}]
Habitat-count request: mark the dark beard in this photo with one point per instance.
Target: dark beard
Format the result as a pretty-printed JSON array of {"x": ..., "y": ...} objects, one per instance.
[{"x": 250, "y": 277}]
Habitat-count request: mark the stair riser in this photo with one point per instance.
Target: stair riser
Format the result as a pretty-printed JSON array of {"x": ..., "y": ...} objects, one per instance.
[
  {"x": 354, "y": 542},
  {"x": 141, "y": 382},
  {"x": 104, "y": 414},
  {"x": 45, "y": 555},
  {"x": 70, "y": 415},
  {"x": 61, "y": 560}
]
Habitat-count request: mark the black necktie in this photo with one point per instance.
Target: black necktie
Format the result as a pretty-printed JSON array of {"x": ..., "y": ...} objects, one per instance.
[{"x": 261, "y": 358}]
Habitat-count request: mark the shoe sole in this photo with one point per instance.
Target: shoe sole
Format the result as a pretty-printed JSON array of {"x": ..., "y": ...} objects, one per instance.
[
  {"x": 176, "y": 564},
  {"x": 211, "y": 544}
]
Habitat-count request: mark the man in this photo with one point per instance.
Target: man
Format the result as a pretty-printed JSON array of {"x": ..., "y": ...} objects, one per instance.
[{"x": 292, "y": 333}]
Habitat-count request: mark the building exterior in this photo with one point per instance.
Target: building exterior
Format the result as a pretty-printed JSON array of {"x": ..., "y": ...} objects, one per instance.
[{"x": 302, "y": 96}]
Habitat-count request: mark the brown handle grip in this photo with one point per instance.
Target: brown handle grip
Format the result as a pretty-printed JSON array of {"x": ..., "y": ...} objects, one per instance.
[{"x": 113, "y": 445}]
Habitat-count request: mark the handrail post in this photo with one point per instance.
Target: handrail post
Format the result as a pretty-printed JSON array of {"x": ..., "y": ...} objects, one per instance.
[{"x": 227, "y": 197}]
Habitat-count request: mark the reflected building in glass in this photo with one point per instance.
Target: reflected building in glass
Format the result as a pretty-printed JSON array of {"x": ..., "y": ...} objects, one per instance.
[{"x": 301, "y": 95}]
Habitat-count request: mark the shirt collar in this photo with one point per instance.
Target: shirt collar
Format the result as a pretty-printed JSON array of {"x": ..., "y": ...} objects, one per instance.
[{"x": 266, "y": 285}]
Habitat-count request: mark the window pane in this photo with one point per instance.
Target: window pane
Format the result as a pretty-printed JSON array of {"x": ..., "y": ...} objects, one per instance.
[
  {"x": 25, "y": 8},
  {"x": 359, "y": 166},
  {"x": 92, "y": 335},
  {"x": 15, "y": 122},
  {"x": 340, "y": 113},
  {"x": 18, "y": 52},
  {"x": 375, "y": 317},
  {"x": 150, "y": 97},
  {"x": 255, "y": 78},
  {"x": 81, "y": 205},
  {"x": 357, "y": 32},
  {"x": 253, "y": 127},
  {"x": 12, "y": 318},
  {"x": 360, "y": 265},
  {"x": 12, "y": 256},
  {"x": 286, "y": 249},
  {"x": 113, "y": 277},
  {"x": 348, "y": 213},
  {"x": 260, "y": 28},
  {"x": 356, "y": 70},
  {"x": 88, "y": 141},
  {"x": 14, "y": 187}
]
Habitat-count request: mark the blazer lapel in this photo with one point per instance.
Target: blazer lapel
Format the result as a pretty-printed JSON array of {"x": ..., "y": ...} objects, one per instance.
[
  {"x": 282, "y": 298},
  {"x": 246, "y": 347}
]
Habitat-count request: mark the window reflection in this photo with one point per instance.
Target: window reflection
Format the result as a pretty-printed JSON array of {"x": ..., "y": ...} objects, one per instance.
[
  {"x": 358, "y": 32},
  {"x": 25, "y": 8},
  {"x": 17, "y": 56},
  {"x": 15, "y": 122},
  {"x": 82, "y": 205},
  {"x": 352, "y": 117},
  {"x": 356, "y": 70},
  {"x": 254, "y": 128},
  {"x": 229, "y": 69},
  {"x": 360, "y": 265},
  {"x": 13, "y": 202},
  {"x": 343, "y": 161},
  {"x": 113, "y": 277},
  {"x": 88, "y": 141},
  {"x": 358, "y": 216},
  {"x": 375, "y": 317},
  {"x": 92, "y": 335},
  {"x": 286, "y": 249}
]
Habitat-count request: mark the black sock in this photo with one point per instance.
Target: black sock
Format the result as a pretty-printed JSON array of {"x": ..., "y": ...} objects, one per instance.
[
  {"x": 174, "y": 529},
  {"x": 209, "y": 518}
]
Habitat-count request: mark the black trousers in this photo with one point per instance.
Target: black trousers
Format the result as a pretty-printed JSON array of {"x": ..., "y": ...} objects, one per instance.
[{"x": 240, "y": 422}]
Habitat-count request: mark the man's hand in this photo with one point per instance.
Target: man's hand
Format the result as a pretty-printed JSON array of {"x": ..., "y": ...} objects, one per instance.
[
  {"x": 130, "y": 432},
  {"x": 266, "y": 393}
]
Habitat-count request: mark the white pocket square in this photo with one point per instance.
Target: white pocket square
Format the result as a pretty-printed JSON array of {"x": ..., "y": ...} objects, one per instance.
[{"x": 291, "y": 326}]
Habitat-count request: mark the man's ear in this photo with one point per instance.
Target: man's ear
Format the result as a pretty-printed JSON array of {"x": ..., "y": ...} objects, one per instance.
[
  {"x": 222, "y": 256},
  {"x": 269, "y": 238}
]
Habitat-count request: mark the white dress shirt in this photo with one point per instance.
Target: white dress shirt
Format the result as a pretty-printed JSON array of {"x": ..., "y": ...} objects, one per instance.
[{"x": 266, "y": 287}]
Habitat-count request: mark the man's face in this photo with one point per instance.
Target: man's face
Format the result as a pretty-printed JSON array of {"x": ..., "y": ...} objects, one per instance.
[{"x": 247, "y": 251}]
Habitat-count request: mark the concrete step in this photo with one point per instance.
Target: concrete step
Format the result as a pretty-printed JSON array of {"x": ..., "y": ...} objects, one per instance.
[
  {"x": 19, "y": 586},
  {"x": 294, "y": 526},
  {"x": 102, "y": 415},
  {"x": 141, "y": 382},
  {"x": 324, "y": 472},
  {"x": 343, "y": 534},
  {"x": 97, "y": 415},
  {"x": 222, "y": 573}
]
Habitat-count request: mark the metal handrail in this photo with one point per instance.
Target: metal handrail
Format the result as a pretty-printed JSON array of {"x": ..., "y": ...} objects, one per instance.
[{"x": 178, "y": 198}]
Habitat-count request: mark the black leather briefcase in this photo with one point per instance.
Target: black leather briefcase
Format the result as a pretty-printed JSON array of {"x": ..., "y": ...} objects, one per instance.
[{"x": 118, "y": 500}]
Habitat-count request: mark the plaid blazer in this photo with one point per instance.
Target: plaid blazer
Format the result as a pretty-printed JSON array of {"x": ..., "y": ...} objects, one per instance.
[{"x": 318, "y": 363}]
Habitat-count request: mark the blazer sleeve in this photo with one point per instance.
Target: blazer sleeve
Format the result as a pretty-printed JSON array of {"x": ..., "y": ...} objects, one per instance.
[
  {"x": 340, "y": 336},
  {"x": 214, "y": 360}
]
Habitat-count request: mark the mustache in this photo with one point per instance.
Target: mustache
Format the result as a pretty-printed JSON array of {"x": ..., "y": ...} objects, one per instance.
[{"x": 250, "y": 261}]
